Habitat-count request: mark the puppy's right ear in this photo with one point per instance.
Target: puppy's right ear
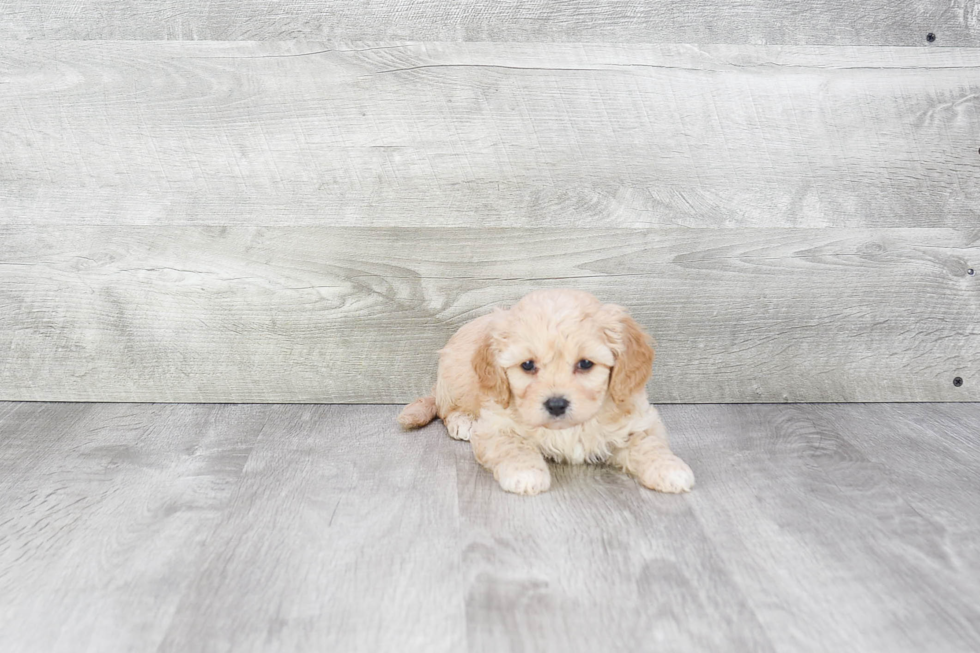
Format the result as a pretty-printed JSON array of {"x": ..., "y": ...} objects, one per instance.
[
  {"x": 492, "y": 378},
  {"x": 633, "y": 351}
]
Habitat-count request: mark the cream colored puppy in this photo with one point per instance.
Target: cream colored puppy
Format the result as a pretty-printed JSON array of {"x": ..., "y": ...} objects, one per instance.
[{"x": 560, "y": 376}]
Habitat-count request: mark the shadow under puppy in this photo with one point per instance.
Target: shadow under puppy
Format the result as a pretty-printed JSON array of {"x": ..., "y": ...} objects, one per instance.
[{"x": 559, "y": 376}]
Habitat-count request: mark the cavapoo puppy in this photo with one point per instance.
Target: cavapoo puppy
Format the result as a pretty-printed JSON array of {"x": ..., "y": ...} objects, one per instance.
[{"x": 559, "y": 376}]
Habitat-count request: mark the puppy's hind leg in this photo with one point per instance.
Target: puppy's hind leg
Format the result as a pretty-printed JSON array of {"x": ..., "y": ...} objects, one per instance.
[{"x": 459, "y": 425}]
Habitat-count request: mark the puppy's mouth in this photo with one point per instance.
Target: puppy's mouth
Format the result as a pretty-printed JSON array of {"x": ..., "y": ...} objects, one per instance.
[{"x": 558, "y": 423}]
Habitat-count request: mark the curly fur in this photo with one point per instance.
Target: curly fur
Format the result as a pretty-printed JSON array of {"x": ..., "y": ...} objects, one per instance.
[{"x": 484, "y": 395}]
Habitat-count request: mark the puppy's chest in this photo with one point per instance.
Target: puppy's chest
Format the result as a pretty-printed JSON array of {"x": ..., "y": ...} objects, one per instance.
[{"x": 577, "y": 445}]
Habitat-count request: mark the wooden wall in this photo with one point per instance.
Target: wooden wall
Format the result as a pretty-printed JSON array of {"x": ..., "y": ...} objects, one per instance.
[{"x": 300, "y": 201}]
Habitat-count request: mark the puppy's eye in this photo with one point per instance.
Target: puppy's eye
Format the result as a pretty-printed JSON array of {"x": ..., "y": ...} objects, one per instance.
[
  {"x": 584, "y": 364},
  {"x": 527, "y": 366}
]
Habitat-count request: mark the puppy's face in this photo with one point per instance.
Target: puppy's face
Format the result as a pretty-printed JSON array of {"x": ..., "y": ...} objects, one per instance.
[
  {"x": 557, "y": 380},
  {"x": 556, "y": 356}
]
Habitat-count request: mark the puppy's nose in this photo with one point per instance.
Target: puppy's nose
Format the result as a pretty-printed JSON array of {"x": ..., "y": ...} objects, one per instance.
[{"x": 556, "y": 406}]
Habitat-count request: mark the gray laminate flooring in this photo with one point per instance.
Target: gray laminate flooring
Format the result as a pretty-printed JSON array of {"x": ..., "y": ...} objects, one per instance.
[{"x": 167, "y": 527}]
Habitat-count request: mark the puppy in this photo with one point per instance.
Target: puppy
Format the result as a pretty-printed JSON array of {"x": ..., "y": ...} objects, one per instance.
[{"x": 561, "y": 377}]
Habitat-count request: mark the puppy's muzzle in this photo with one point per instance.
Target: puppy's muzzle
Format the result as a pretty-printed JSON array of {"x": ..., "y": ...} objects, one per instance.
[{"x": 556, "y": 406}]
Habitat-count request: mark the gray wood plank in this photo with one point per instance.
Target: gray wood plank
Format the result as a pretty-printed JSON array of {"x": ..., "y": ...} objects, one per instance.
[
  {"x": 341, "y": 537},
  {"x": 931, "y": 452},
  {"x": 826, "y": 543},
  {"x": 489, "y": 134},
  {"x": 854, "y": 22},
  {"x": 356, "y": 315},
  {"x": 105, "y": 512},
  {"x": 145, "y": 527},
  {"x": 597, "y": 563}
]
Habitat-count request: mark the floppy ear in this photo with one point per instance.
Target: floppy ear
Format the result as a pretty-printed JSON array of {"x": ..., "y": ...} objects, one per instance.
[
  {"x": 493, "y": 380},
  {"x": 634, "y": 355}
]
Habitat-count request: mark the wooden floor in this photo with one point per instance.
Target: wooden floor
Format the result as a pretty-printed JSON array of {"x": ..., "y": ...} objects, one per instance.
[{"x": 156, "y": 527}]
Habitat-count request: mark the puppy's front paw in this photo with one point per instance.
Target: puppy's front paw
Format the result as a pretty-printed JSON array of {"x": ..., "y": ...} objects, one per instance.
[
  {"x": 460, "y": 426},
  {"x": 523, "y": 478},
  {"x": 667, "y": 474}
]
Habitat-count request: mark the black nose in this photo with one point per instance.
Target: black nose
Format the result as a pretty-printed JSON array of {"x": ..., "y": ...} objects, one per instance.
[{"x": 556, "y": 406}]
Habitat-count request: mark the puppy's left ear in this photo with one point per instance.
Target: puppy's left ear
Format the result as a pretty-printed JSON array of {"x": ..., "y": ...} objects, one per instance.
[
  {"x": 633, "y": 350},
  {"x": 491, "y": 376}
]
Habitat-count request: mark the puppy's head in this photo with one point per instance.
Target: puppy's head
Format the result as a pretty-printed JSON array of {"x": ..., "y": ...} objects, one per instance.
[{"x": 558, "y": 355}]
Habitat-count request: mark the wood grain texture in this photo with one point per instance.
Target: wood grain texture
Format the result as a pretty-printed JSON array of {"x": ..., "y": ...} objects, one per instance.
[
  {"x": 938, "y": 484},
  {"x": 348, "y": 527},
  {"x": 815, "y": 22},
  {"x": 304, "y": 314},
  {"x": 488, "y": 134},
  {"x": 816, "y": 553},
  {"x": 539, "y": 573},
  {"x": 296, "y": 528},
  {"x": 105, "y": 511}
]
